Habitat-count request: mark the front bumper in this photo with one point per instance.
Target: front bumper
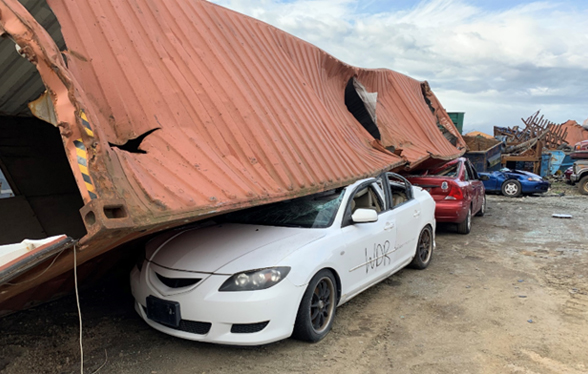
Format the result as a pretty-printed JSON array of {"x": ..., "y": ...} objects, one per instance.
[
  {"x": 574, "y": 178},
  {"x": 208, "y": 315},
  {"x": 538, "y": 187}
]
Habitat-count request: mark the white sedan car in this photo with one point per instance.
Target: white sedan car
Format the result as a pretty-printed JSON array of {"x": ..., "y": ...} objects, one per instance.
[{"x": 280, "y": 270}]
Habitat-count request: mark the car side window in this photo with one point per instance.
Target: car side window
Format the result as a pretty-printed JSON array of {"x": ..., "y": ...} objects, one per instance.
[
  {"x": 473, "y": 173},
  {"x": 467, "y": 172},
  {"x": 400, "y": 189},
  {"x": 365, "y": 197}
]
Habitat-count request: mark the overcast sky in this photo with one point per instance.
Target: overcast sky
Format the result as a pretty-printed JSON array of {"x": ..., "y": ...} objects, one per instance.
[{"x": 496, "y": 60}]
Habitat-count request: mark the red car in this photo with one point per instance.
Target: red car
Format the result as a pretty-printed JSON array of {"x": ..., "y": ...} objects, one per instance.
[{"x": 457, "y": 190}]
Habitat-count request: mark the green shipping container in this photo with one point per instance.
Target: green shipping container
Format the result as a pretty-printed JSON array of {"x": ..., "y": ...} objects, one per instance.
[{"x": 457, "y": 119}]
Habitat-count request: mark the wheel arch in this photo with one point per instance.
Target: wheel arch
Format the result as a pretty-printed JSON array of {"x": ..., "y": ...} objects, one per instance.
[
  {"x": 337, "y": 280},
  {"x": 432, "y": 231},
  {"x": 506, "y": 181},
  {"x": 306, "y": 281},
  {"x": 430, "y": 226}
]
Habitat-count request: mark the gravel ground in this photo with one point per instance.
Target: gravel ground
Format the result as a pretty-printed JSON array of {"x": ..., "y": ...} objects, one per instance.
[{"x": 511, "y": 297}]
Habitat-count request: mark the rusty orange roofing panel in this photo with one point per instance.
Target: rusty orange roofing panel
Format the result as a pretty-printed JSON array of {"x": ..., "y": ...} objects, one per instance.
[
  {"x": 172, "y": 111},
  {"x": 235, "y": 122},
  {"x": 575, "y": 132},
  {"x": 407, "y": 121}
]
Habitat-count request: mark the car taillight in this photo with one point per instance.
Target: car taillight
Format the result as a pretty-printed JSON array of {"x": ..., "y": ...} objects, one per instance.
[{"x": 455, "y": 193}]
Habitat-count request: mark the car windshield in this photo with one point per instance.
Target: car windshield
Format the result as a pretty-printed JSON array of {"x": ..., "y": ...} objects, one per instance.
[{"x": 315, "y": 211}]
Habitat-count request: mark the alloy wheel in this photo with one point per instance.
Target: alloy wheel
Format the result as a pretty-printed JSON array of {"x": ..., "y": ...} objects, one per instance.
[
  {"x": 322, "y": 304},
  {"x": 425, "y": 246}
]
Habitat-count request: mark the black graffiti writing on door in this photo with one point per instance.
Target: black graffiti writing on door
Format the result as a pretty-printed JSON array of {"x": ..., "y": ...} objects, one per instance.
[{"x": 379, "y": 256}]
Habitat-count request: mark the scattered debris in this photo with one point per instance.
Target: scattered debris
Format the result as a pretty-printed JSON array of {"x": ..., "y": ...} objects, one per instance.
[
  {"x": 561, "y": 194},
  {"x": 527, "y": 144},
  {"x": 555, "y": 215}
]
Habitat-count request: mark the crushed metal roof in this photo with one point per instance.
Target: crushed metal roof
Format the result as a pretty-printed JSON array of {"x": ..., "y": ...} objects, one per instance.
[{"x": 172, "y": 111}]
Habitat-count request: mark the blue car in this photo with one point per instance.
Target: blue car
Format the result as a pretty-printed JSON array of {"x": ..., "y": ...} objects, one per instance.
[{"x": 514, "y": 183}]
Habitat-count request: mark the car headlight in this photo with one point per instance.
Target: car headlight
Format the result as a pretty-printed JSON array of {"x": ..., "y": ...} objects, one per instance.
[
  {"x": 535, "y": 179},
  {"x": 255, "y": 279}
]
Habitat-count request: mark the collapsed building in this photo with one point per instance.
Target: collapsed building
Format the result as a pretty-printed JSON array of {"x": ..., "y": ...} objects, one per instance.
[
  {"x": 122, "y": 119},
  {"x": 540, "y": 143}
]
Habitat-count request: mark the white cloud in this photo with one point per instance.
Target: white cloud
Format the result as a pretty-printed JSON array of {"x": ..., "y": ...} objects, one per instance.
[{"x": 497, "y": 66}]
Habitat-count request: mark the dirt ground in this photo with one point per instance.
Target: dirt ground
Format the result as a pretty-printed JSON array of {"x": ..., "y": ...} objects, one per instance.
[{"x": 511, "y": 297}]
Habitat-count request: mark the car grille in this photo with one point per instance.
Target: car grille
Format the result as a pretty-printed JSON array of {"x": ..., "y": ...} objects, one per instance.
[
  {"x": 193, "y": 327},
  {"x": 177, "y": 282},
  {"x": 248, "y": 328}
]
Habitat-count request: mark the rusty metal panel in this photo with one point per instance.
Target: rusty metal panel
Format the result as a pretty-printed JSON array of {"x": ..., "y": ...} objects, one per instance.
[
  {"x": 575, "y": 132},
  {"x": 20, "y": 82},
  {"x": 410, "y": 117},
  {"x": 235, "y": 124}
]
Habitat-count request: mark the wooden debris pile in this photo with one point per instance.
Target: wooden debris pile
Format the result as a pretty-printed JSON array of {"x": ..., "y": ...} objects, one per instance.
[{"x": 527, "y": 144}]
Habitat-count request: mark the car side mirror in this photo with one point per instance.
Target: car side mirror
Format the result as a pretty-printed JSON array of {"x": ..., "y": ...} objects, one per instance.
[
  {"x": 484, "y": 177},
  {"x": 364, "y": 215}
]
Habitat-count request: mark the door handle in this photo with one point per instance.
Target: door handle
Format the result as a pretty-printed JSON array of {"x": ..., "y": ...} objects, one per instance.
[
  {"x": 417, "y": 213},
  {"x": 389, "y": 226}
]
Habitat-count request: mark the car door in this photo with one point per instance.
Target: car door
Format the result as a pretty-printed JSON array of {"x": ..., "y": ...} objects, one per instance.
[
  {"x": 406, "y": 212},
  {"x": 468, "y": 190},
  {"x": 368, "y": 246},
  {"x": 477, "y": 187}
]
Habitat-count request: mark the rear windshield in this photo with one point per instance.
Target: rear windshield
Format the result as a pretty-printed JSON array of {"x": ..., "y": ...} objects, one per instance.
[
  {"x": 315, "y": 211},
  {"x": 447, "y": 170}
]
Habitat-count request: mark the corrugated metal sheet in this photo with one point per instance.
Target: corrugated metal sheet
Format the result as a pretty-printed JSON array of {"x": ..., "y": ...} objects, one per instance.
[
  {"x": 20, "y": 81},
  {"x": 575, "y": 132},
  {"x": 236, "y": 122},
  {"x": 243, "y": 114},
  {"x": 407, "y": 122},
  {"x": 244, "y": 110}
]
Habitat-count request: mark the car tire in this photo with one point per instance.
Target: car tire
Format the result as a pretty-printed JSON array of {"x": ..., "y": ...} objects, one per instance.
[
  {"x": 465, "y": 226},
  {"x": 424, "y": 250},
  {"x": 317, "y": 308},
  {"x": 583, "y": 185},
  {"x": 482, "y": 210},
  {"x": 511, "y": 188}
]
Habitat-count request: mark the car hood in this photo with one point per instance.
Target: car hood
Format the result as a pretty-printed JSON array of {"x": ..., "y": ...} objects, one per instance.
[
  {"x": 523, "y": 173},
  {"x": 215, "y": 249}
]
